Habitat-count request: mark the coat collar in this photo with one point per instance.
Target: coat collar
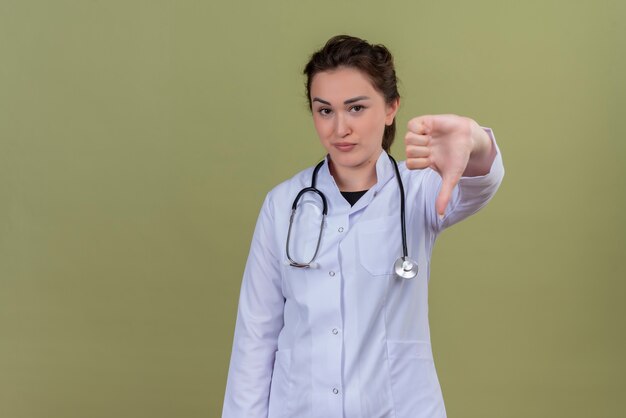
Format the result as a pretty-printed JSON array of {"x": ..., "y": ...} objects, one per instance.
[{"x": 326, "y": 183}]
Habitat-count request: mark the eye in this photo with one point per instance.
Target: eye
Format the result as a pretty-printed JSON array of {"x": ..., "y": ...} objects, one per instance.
[
  {"x": 357, "y": 108},
  {"x": 324, "y": 111}
]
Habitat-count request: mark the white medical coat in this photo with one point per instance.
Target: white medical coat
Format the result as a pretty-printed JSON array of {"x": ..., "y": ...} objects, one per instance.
[{"x": 347, "y": 339}]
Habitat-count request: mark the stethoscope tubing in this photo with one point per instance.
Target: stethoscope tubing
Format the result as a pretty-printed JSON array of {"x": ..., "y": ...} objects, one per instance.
[
  {"x": 405, "y": 251},
  {"x": 404, "y": 266}
]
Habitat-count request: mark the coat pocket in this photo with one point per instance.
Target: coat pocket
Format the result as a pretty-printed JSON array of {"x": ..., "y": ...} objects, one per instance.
[
  {"x": 280, "y": 385},
  {"x": 414, "y": 383},
  {"x": 379, "y": 244}
]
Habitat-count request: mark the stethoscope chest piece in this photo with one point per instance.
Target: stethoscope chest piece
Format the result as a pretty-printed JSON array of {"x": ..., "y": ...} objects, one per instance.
[{"x": 405, "y": 267}]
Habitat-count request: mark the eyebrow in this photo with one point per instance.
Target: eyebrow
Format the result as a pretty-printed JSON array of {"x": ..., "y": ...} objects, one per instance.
[{"x": 354, "y": 99}]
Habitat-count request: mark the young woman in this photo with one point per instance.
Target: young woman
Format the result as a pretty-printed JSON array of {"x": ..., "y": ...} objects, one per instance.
[{"x": 333, "y": 310}]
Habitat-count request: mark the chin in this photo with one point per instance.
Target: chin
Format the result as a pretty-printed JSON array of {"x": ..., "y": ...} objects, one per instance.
[{"x": 348, "y": 159}]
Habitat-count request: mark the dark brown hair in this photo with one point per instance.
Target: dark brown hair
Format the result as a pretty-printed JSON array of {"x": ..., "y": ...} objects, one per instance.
[{"x": 375, "y": 61}]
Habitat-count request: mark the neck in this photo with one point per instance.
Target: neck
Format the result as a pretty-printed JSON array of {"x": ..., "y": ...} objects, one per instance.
[{"x": 354, "y": 179}]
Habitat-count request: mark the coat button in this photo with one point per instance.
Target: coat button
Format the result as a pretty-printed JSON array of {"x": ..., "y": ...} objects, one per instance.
[
  {"x": 331, "y": 273},
  {"x": 335, "y": 391},
  {"x": 335, "y": 331},
  {"x": 340, "y": 229}
]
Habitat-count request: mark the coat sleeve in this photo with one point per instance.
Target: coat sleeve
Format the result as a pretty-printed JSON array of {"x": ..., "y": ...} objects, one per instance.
[
  {"x": 259, "y": 321},
  {"x": 469, "y": 195}
]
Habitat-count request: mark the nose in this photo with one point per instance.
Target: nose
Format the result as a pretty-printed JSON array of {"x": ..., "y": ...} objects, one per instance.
[{"x": 343, "y": 127}]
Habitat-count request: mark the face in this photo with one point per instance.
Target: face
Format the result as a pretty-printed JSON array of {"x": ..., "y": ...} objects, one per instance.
[{"x": 350, "y": 117}]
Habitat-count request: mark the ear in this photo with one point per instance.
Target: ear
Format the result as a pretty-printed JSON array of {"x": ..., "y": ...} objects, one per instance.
[{"x": 390, "y": 111}]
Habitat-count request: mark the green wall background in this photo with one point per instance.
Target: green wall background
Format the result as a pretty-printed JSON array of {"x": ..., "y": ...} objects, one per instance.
[{"x": 138, "y": 139}]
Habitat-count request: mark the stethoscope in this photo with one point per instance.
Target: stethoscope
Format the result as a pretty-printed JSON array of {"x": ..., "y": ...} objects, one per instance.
[{"x": 404, "y": 266}]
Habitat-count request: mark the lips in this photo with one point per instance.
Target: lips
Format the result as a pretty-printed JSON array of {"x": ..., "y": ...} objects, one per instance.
[{"x": 344, "y": 146}]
